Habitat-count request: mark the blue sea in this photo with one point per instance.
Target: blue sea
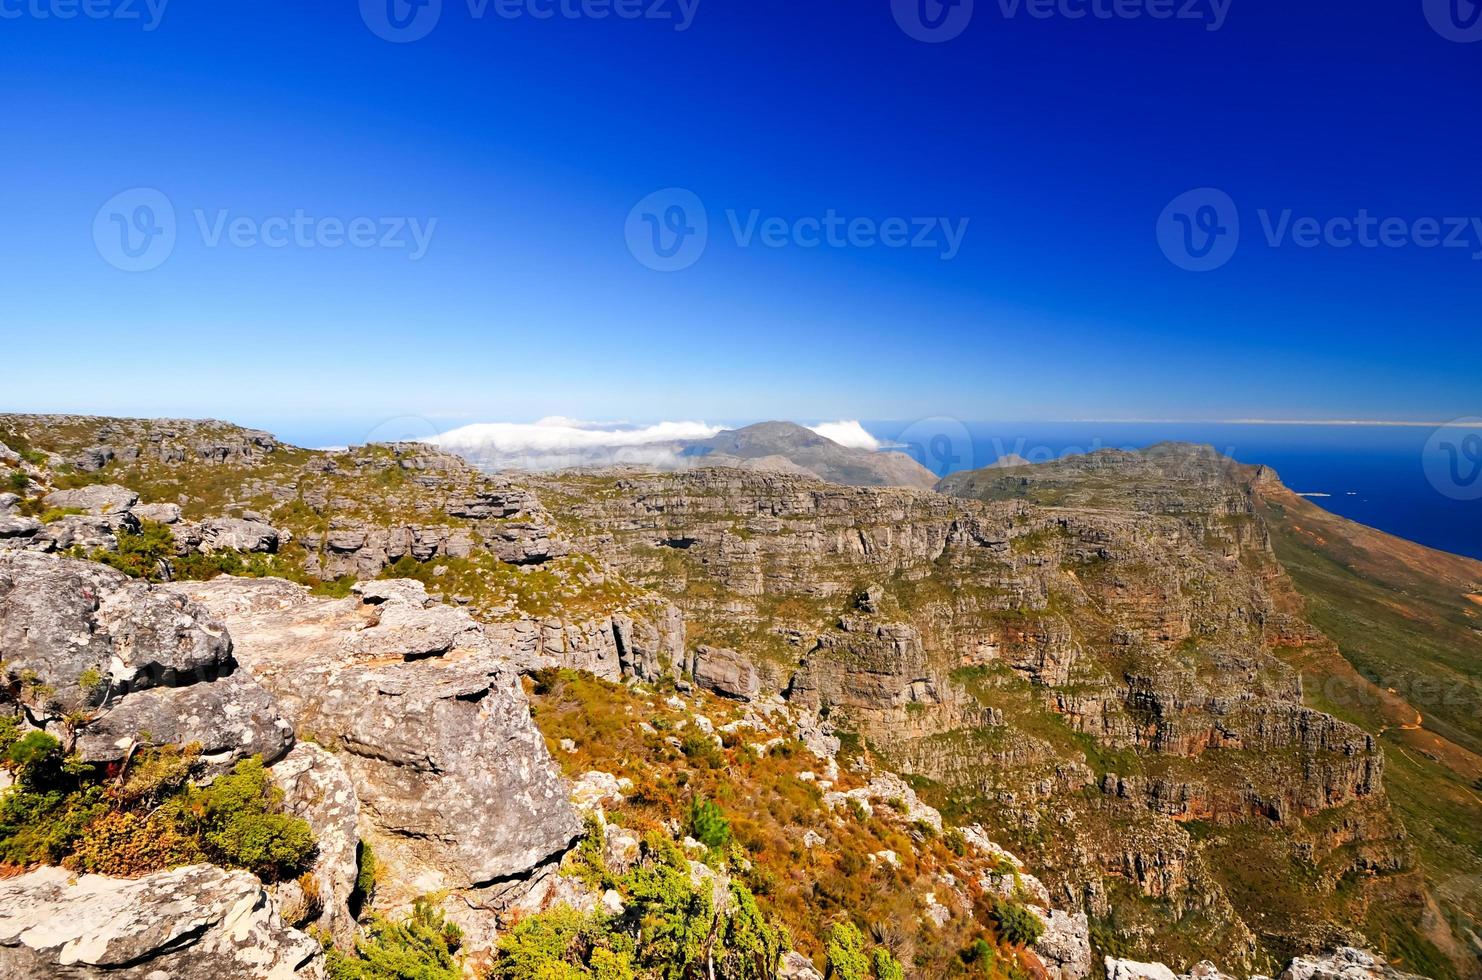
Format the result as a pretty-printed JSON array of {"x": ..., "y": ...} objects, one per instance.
[{"x": 1411, "y": 481}]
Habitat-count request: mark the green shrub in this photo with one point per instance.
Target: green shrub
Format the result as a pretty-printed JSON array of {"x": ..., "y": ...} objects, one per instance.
[
  {"x": 53, "y": 514},
  {"x": 44, "y": 826},
  {"x": 981, "y": 955},
  {"x": 1016, "y": 923},
  {"x": 701, "y": 750},
  {"x": 423, "y": 947},
  {"x": 31, "y": 754},
  {"x": 140, "y": 554},
  {"x": 365, "y": 877},
  {"x": 18, "y": 482},
  {"x": 563, "y": 943},
  {"x": 708, "y": 825},
  {"x": 589, "y": 862},
  {"x": 673, "y": 918},
  {"x": 751, "y": 947},
  {"x": 236, "y": 819},
  {"x": 885, "y": 966},
  {"x": 844, "y": 949}
]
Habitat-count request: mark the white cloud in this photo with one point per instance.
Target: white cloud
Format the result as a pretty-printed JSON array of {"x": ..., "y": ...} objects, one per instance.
[
  {"x": 847, "y": 433},
  {"x": 557, "y": 442}
]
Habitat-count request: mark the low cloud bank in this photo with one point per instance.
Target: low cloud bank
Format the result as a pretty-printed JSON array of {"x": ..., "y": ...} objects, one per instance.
[
  {"x": 848, "y": 433},
  {"x": 557, "y": 443}
]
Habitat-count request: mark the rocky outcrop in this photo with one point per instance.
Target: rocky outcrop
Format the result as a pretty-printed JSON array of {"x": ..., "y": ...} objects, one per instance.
[
  {"x": 101, "y": 498},
  {"x": 725, "y": 672},
  {"x": 426, "y": 713},
  {"x": 114, "y": 658},
  {"x": 1065, "y": 946},
  {"x": 317, "y": 788},
  {"x": 192, "y": 923},
  {"x": 228, "y": 534},
  {"x": 1346, "y": 963}
]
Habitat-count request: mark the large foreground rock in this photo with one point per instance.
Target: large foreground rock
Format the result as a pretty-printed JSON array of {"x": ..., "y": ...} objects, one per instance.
[
  {"x": 194, "y": 923},
  {"x": 131, "y": 658},
  {"x": 457, "y": 790}
]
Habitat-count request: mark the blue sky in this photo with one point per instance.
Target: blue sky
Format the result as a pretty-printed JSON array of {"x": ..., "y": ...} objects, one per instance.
[{"x": 528, "y": 141}]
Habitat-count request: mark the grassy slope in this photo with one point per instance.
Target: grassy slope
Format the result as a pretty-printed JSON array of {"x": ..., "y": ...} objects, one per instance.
[{"x": 1410, "y": 640}]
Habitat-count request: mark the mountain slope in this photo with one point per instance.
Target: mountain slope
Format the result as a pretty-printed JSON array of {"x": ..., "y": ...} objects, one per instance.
[
  {"x": 1387, "y": 635},
  {"x": 766, "y": 445}
]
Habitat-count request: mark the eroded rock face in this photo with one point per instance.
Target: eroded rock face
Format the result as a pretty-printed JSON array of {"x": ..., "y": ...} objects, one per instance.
[
  {"x": 427, "y": 715},
  {"x": 1346, "y": 963},
  {"x": 228, "y": 534},
  {"x": 725, "y": 672},
  {"x": 1126, "y": 601},
  {"x": 1065, "y": 947},
  {"x": 193, "y": 923},
  {"x": 317, "y": 788},
  {"x": 101, "y": 498},
  {"x": 132, "y": 658}
]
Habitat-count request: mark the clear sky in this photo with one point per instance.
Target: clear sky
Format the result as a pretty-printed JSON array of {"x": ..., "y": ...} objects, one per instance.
[{"x": 529, "y": 141}]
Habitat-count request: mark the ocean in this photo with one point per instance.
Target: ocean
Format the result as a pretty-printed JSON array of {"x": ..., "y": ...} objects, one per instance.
[{"x": 1416, "y": 482}]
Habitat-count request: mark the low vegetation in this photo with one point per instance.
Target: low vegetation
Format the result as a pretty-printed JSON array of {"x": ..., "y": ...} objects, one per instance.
[
  {"x": 422, "y": 947},
  {"x": 750, "y": 800},
  {"x": 147, "y": 815}
]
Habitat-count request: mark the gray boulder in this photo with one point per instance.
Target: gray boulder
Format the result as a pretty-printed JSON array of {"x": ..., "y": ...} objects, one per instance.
[
  {"x": 193, "y": 923},
  {"x": 231, "y": 718},
  {"x": 136, "y": 659},
  {"x": 317, "y": 788},
  {"x": 1065, "y": 946},
  {"x": 89, "y": 532},
  {"x": 102, "y": 498},
  {"x": 159, "y": 513},
  {"x": 229, "y": 534},
  {"x": 16, "y": 530},
  {"x": 1345, "y": 963},
  {"x": 725, "y": 672},
  {"x": 796, "y": 966}
]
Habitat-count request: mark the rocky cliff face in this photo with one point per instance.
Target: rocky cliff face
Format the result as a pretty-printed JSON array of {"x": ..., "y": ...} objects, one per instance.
[
  {"x": 1097, "y": 661},
  {"x": 1099, "y": 669}
]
